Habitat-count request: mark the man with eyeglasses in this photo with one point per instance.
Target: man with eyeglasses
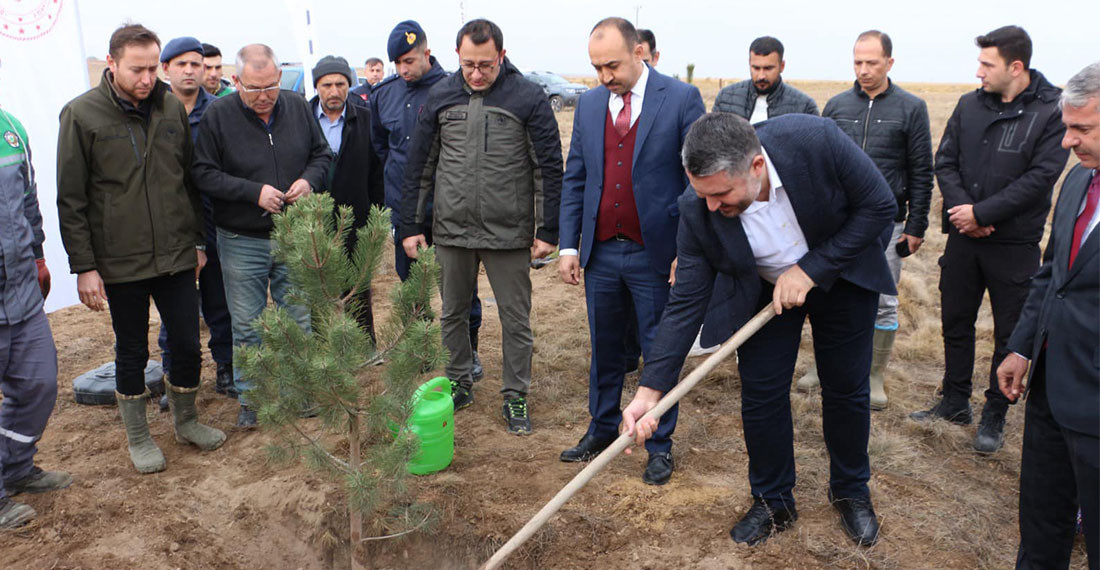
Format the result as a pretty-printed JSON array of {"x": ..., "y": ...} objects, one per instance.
[
  {"x": 259, "y": 151},
  {"x": 487, "y": 146}
]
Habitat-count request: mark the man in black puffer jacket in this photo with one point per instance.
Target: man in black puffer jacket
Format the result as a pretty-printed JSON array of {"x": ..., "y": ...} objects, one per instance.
[
  {"x": 259, "y": 151},
  {"x": 997, "y": 164},
  {"x": 764, "y": 95},
  {"x": 891, "y": 126}
]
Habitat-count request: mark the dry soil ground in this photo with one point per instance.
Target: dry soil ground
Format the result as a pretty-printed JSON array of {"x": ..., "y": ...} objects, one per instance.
[{"x": 941, "y": 505}]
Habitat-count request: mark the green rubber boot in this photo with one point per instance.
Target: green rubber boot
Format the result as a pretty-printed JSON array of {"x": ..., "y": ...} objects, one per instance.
[
  {"x": 882, "y": 346},
  {"x": 145, "y": 454},
  {"x": 809, "y": 380},
  {"x": 188, "y": 428}
]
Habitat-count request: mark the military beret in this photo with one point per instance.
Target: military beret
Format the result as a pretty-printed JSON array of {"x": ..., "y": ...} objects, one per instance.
[
  {"x": 404, "y": 37},
  {"x": 178, "y": 47}
]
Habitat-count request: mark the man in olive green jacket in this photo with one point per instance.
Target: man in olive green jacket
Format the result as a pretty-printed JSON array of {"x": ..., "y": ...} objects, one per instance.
[{"x": 130, "y": 222}]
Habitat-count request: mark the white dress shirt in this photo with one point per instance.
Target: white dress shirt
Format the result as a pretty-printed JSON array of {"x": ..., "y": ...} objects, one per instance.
[
  {"x": 772, "y": 229},
  {"x": 614, "y": 105},
  {"x": 760, "y": 111}
]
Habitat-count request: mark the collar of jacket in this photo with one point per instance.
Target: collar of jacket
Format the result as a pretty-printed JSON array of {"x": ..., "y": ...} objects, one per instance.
[
  {"x": 506, "y": 69},
  {"x": 776, "y": 91},
  {"x": 1039, "y": 88},
  {"x": 248, "y": 112},
  {"x": 435, "y": 73},
  {"x": 349, "y": 111},
  {"x": 144, "y": 107},
  {"x": 862, "y": 95}
]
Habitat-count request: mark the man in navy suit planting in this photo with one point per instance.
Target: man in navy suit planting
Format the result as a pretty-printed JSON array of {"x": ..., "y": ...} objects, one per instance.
[
  {"x": 618, "y": 220},
  {"x": 796, "y": 217}
]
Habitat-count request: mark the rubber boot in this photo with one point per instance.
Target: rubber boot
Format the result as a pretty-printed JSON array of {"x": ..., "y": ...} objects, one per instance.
[
  {"x": 809, "y": 380},
  {"x": 188, "y": 429},
  {"x": 882, "y": 346},
  {"x": 145, "y": 454}
]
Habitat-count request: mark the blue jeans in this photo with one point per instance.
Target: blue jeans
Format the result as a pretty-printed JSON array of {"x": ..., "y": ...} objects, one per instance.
[{"x": 249, "y": 268}]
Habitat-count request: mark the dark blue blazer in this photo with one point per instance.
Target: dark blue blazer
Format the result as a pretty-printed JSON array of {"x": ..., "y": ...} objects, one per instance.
[
  {"x": 669, "y": 107},
  {"x": 1063, "y": 311},
  {"x": 844, "y": 207}
]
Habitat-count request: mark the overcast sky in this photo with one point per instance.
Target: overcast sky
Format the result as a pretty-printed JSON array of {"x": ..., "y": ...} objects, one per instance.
[{"x": 933, "y": 39}]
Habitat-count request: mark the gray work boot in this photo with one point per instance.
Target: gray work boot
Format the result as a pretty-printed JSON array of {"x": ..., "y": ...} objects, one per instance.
[
  {"x": 145, "y": 454},
  {"x": 39, "y": 481},
  {"x": 882, "y": 346},
  {"x": 13, "y": 514},
  {"x": 809, "y": 380},
  {"x": 188, "y": 429}
]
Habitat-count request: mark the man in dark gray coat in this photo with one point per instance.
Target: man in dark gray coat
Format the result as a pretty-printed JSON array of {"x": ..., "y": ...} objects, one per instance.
[{"x": 764, "y": 95}]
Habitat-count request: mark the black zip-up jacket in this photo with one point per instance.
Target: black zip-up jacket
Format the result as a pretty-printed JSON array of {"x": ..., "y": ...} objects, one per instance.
[
  {"x": 237, "y": 153},
  {"x": 1004, "y": 158},
  {"x": 355, "y": 176},
  {"x": 893, "y": 130},
  {"x": 492, "y": 159}
]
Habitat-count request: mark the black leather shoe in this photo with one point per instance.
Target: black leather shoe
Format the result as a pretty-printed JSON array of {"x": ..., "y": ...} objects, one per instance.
[
  {"x": 588, "y": 447},
  {"x": 990, "y": 436},
  {"x": 659, "y": 469},
  {"x": 761, "y": 522},
  {"x": 223, "y": 383},
  {"x": 956, "y": 413},
  {"x": 246, "y": 419},
  {"x": 857, "y": 516}
]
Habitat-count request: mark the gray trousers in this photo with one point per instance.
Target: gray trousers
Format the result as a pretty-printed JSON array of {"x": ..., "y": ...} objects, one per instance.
[
  {"x": 887, "y": 318},
  {"x": 28, "y": 380},
  {"x": 509, "y": 276}
]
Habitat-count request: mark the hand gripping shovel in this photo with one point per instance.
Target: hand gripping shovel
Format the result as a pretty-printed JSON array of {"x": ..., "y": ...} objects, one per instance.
[{"x": 623, "y": 441}]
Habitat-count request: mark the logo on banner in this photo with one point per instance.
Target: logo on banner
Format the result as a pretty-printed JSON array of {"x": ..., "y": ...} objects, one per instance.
[
  {"x": 11, "y": 139},
  {"x": 28, "y": 19}
]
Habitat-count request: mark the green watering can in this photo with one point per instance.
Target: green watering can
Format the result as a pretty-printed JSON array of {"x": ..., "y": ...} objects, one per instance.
[{"x": 432, "y": 421}]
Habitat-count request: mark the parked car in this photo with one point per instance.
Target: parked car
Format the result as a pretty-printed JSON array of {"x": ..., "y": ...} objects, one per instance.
[
  {"x": 293, "y": 78},
  {"x": 561, "y": 92}
]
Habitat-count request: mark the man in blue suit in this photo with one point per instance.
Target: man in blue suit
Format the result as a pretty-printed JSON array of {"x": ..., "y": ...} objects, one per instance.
[
  {"x": 618, "y": 220},
  {"x": 797, "y": 219},
  {"x": 1058, "y": 330}
]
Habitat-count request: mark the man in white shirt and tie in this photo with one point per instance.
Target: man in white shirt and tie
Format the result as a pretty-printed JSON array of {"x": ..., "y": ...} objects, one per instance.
[{"x": 619, "y": 218}]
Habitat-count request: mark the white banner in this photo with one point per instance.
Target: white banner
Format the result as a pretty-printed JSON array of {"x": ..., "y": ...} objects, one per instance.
[
  {"x": 42, "y": 67},
  {"x": 301, "y": 22}
]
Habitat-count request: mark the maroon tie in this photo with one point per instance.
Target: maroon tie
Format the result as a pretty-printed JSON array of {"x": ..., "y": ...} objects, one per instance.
[
  {"x": 622, "y": 121},
  {"x": 1085, "y": 217}
]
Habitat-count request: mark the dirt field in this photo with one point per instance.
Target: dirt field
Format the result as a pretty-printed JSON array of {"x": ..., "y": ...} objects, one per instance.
[{"x": 941, "y": 505}]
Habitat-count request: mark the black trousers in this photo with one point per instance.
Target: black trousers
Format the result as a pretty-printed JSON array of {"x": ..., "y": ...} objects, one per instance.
[
  {"x": 1059, "y": 472},
  {"x": 968, "y": 268},
  {"x": 843, "y": 321},
  {"x": 179, "y": 310}
]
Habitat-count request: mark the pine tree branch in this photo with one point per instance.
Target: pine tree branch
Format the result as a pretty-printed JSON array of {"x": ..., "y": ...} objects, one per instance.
[
  {"x": 343, "y": 465},
  {"x": 402, "y": 533}
]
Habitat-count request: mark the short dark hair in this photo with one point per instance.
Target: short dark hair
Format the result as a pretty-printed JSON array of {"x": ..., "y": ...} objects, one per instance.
[
  {"x": 211, "y": 50},
  {"x": 646, "y": 36},
  {"x": 374, "y": 61},
  {"x": 626, "y": 30},
  {"x": 1012, "y": 43},
  {"x": 765, "y": 45},
  {"x": 882, "y": 37},
  {"x": 479, "y": 32},
  {"x": 719, "y": 142},
  {"x": 131, "y": 35}
]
